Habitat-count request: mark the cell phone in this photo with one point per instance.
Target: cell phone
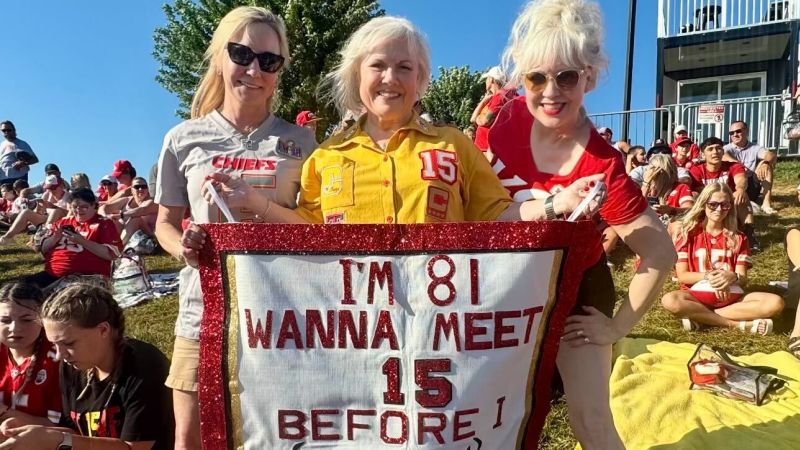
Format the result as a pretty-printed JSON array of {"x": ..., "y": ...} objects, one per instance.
[
  {"x": 68, "y": 228},
  {"x": 598, "y": 192}
]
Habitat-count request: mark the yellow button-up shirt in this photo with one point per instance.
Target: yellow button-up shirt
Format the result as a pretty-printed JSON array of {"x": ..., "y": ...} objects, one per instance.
[{"x": 425, "y": 174}]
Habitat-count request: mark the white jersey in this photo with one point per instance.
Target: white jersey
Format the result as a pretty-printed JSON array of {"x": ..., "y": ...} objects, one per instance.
[{"x": 269, "y": 159}]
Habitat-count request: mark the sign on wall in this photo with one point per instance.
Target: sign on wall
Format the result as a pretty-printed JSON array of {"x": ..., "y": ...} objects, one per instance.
[{"x": 710, "y": 114}]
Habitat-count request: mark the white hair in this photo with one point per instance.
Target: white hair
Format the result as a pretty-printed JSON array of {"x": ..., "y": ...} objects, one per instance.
[
  {"x": 568, "y": 32},
  {"x": 341, "y": 85}
]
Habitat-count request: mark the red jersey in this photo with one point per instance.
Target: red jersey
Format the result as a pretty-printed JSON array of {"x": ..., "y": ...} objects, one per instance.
[
  {"x": 702, "y": 177},
  {"x": 41, "y": 395},
  {"x": 493, "y": 106},
  {"x": 688, "y": 164},
  {"x": 513, "y": 162},
  {"x": 694, "y": 150},
  {"x": 68, "y": 258},
  {"x": 704, "y": 252},
  {"x": 680, "y": 193}
]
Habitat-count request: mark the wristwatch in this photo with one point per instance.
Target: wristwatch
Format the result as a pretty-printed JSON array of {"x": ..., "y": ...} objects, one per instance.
[
  {"x": 66, "y": 442},
  {"x": 549, "y": 210}
]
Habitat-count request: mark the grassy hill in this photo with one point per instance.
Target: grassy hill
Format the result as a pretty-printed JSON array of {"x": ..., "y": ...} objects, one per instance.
[{"x": 154, "y": 321}]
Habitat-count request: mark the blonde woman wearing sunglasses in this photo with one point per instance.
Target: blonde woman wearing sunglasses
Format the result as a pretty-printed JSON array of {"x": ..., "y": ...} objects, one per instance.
[
  {"x": 543, "y": 143},
  {"x": 712, "y": 251},
  {"x": 232, "y": 131}
]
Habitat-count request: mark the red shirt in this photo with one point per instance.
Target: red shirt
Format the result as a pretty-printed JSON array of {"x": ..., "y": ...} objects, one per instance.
[
  {"x": 702, "y": 177},
  {"x": 680, "y": 193},
  {"x": 688, "y": 164},
  {"x": 493, "y": 106},
  {"x": 694, "y": 150},
  {"x": 67, "y": 257},
  {"x": 703, "y": 252},
  {"x": 41, "y": 395},
  {"x": 513, "y": 162}
]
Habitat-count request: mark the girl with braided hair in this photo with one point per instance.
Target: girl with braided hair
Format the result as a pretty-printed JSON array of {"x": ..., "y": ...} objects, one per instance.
[
  {"x": 112, "y": 387},
  {"x": 29, "y": 388},
  {"x": 668, "y": 197}
]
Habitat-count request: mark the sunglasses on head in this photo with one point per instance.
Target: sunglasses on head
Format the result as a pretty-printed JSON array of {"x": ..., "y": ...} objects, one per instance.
[
  {"x": 243, "y": 55},
  {"x": 739, "y": 131},
  {"x": 139, "y": 187},
  {"x": 724, "y": 206},
  {"x": 565, "y": 80}
]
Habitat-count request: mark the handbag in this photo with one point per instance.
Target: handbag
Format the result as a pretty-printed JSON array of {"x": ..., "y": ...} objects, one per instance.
[{"x": 712, "y": 369}]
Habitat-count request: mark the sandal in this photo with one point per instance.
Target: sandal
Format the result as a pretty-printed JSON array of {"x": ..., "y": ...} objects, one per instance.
[
  {"x": 794, "y": 346},
  {"x": 759, "y": 326},
  {"x": 691, "y": 325}
]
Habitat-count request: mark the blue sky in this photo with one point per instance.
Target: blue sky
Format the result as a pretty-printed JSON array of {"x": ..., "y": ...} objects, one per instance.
[{"x": 78, "y": 78}]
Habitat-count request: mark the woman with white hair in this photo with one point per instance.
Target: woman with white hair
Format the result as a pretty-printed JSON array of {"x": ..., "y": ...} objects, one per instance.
[
  {"x": 546, "y": 140},
  {"x": 389, "y": 156},
  {"x": 232, "y": 130}
]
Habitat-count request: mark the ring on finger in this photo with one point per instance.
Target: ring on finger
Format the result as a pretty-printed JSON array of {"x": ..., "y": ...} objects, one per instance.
[
  {"x": 586, "y": 340},
  {"x": 579, "y": 333}
]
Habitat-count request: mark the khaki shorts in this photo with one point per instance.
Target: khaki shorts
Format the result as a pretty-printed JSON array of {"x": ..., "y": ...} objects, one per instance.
[{"x": 185, "y": 360}]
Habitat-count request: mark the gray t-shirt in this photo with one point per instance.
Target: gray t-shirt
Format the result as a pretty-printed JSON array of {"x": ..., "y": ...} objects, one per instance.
[
  {"x": 269, "y": 159},
  {"x": 748, "y": 156},
  {"x": 637, "y": 174},
  {"x": 9, "y": 155}
]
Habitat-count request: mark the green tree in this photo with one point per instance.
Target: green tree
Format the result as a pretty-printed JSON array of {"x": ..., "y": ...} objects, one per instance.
[
  {"x": 316, "y": 31},
  {"x": 453, "y": 95}
]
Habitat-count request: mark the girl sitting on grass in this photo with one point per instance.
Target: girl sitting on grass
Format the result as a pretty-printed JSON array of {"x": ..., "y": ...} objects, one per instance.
[
  {"x": 112, "y": 387},
  {"x": 711, "y": 248},
  {"x": 29, "y": 386}
]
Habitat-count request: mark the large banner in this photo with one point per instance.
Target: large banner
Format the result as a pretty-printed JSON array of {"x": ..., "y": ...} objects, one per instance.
[{"x": 384, "y": 337}]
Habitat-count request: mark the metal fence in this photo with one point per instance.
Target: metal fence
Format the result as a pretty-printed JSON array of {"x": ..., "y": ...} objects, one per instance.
[
  {"x": 678, "y": 17},
  {"x": 764, "y": 116}
]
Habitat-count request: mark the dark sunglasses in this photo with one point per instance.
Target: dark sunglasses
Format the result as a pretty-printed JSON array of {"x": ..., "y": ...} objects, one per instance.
[
  {"x": 139, "y": 187},
  {"x": 243, "y": 55},
  {"x": 719, "y": 205},
  {"x": 739, "y": 131},
  {"x": 565, "y": 80},
  {"x": 7, "y": 130},
  {"x": 106, "y": 183}
]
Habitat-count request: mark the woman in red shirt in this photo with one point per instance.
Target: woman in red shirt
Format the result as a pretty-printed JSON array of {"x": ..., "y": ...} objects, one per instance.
[
  {"x": 543, "y": 142},
  {"x": 713, "y": 259},
  {"x": 667, "y": 196}
]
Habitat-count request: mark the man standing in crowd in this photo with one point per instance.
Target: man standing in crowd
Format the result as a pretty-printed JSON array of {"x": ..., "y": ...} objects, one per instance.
[
  {"x": 307, "y": 119},
  {"x": 756, "y": 159},
  {"x": 496, "y": 96},
  {"x": 15, "y": 155}
]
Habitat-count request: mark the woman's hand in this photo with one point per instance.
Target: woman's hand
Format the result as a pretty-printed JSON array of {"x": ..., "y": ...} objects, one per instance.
[
  {"x": 234, "y": 191},
  {"x": 8, "y": 424},
  {"x": 721, "y": 279},
  {"x": 593, "y": 328},
  {"x": 192, "y": 241},
  {"x": 568, "y": 199},
  {"x": 32, "y": 437},
  {"x": 74, "y": 237}
]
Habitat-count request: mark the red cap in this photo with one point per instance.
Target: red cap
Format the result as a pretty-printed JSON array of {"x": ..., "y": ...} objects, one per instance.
[
  {"x": 683, "y": 140},
  {"x": 120, "y": 167},
  {"x": 304, "y": 117}
]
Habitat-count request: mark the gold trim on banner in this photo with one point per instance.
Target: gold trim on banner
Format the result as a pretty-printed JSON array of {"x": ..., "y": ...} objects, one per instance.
[
  {"x": 555, "y": 272},
  {"x": 233, "y": 352}
]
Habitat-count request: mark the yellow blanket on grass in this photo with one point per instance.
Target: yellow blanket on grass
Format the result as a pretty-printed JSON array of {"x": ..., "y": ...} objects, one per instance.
[{"x": 654, "y": 408}]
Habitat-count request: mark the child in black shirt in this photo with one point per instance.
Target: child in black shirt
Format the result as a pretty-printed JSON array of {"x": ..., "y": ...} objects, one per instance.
[{"x": 112, "y": 387}]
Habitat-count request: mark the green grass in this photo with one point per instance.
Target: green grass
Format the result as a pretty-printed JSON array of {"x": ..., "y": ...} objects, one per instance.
[{"x": 154, "y": 321}]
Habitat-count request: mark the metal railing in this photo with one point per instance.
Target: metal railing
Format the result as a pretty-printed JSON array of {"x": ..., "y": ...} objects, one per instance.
[
  {"x": 680, "y": 17},
  {"x": 764, "y": 116},
  {"x": 643, "y": 124}
]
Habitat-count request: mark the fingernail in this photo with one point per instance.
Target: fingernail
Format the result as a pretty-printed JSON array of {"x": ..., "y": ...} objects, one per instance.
[
  {"x": 586, "y": 189},
  {"x": 592, "y": 183}
]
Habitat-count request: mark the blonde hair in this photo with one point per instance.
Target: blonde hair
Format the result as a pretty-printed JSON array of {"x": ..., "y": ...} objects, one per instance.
[
  {"x": 211, "y": 91},
  {"x": 555, "y": 32},
  {"x": 341, "y": 85},
  {"x": 696, "y": 216},
  {"x": 80, "y": 180},
  {"x": 664, "y": 175}
]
